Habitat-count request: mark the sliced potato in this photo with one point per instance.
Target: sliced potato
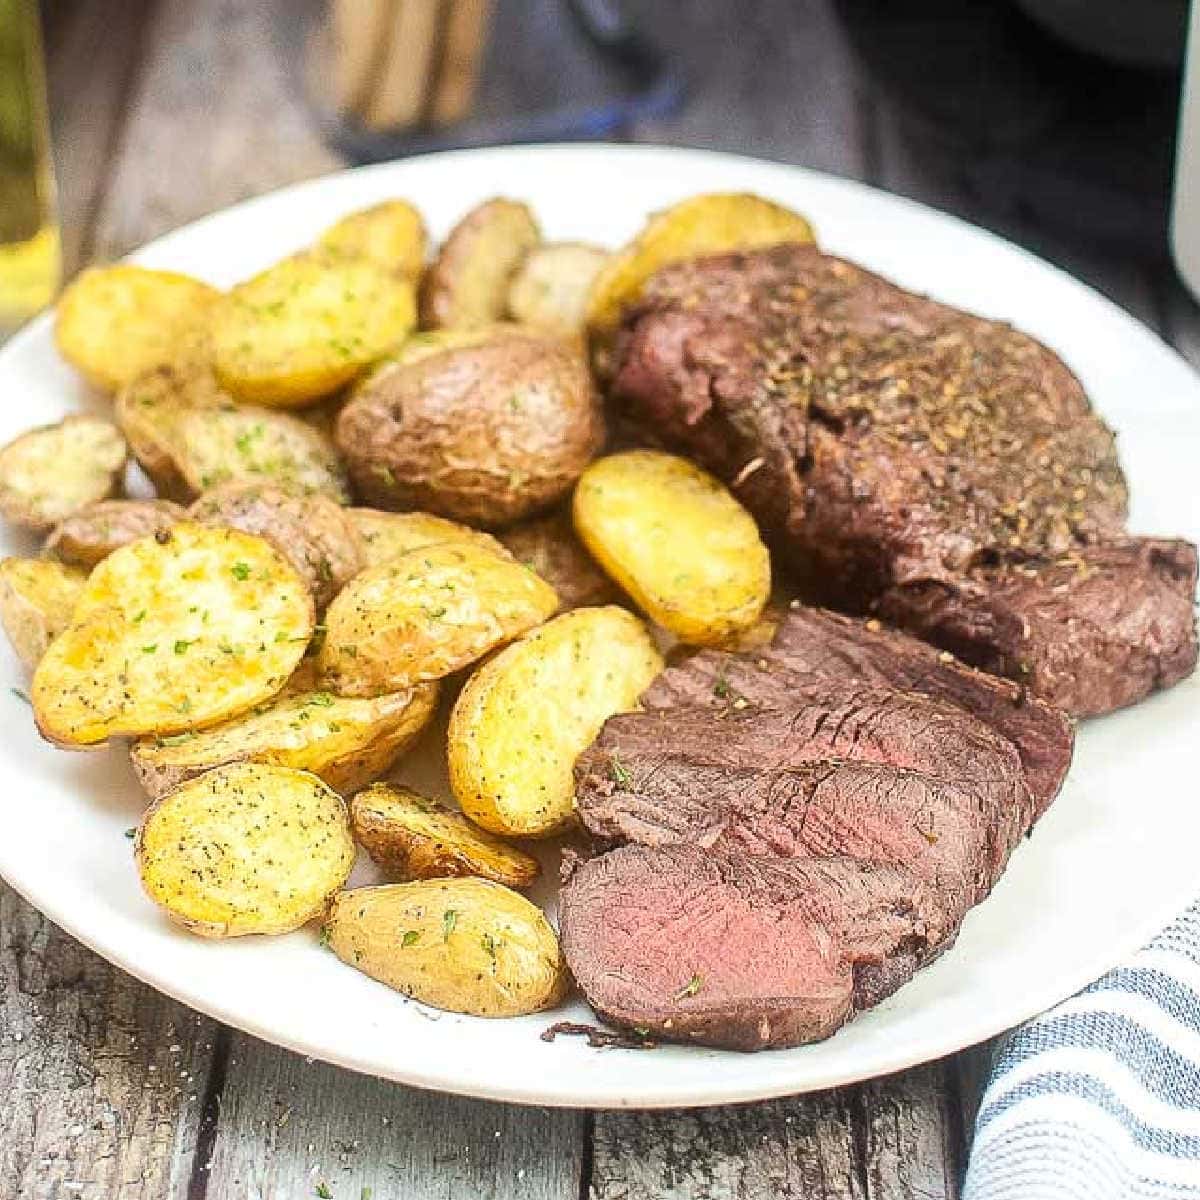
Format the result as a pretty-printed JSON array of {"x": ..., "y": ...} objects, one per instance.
[
  {"x": 385, "y": 536},
  {"x": 528, "y": 713},
  {"x": 548, "y": 547},
  {"x": 37, "y": 598},
  {"x": 464, "y": 945},
  {"x": 391, "y": 235},
  {"x": 173, "y": 632},
  {"x": 413, "y": 837},
  {"x": 347, "y": 743},
  {"x": 53, "y": 471},
  {"x": 427, "y": 613},
  {"x": 468, "y": 283},
  {"x": 677, "y": 541},
  {"x": 551, "y": 287},
  {"x": 306, "y": 327},
  {"x": 116, "y": 323},
  {"x": 311, "y": 532},
  {"x": 247, "y": 848},
  {"x": 700, "y": 225},
  {"x": 98, "y": 529}
]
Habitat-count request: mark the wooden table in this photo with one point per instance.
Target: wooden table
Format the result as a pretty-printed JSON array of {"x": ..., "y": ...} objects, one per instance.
[{"x": 167, "y": 109}]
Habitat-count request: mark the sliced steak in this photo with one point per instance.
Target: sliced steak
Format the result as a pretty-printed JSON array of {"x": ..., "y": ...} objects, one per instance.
[
  {"x": 736, "y": 950},
  {"x": 1094, "y": 631}
]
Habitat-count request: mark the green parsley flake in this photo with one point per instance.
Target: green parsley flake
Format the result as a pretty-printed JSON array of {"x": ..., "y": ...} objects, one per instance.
[
  {"x": 410, "y": 938},
  {"x": 619, "y": 773},
  {"x": 690, "y": 988},
  {"x": 182, "y": 644},
  {"x": 240, "y": 571},
  {"x": 449, "y": 920}
]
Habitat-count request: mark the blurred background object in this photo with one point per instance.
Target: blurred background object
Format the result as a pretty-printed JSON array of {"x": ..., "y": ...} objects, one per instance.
[{"x": 29, "y": 236}]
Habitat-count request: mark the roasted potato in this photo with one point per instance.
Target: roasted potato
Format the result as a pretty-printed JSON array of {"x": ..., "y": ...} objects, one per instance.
[
  {"x": 391, "y": 235},
  {"x": 247, "y": 848},
  {"x": 677, "y": 541},
  {"x": 311, "y": 532},
  {"x": 385, "y": 536},
  {"x": 527, "y": 714},
  {"x": 425, "y": 614},
  {"x": 551, "y": 287},
  {"x": 412, "y": 837},
  {"x": 98, "y": 529},
  {"x": 53, "y": 471},
  {"x": 37, "y": 598},
  {"x": 467, "y": 285},
  {"x": 306, "y": 327},
  {"x": 347, "y": 743},
  {"x": 173, "y": 632},
  {"x": 549, "y": 548},
  {"x": 484, "y": 433},
  {"x": 700, "y": 225},
  {"x": 464, "y": 945},
  {"x": 114, "y": 324}
]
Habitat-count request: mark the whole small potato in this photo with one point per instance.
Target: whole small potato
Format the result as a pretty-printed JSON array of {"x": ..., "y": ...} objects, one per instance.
[
  {"x": 485, "y": 433},
  {"x": 463, "y": 945},
  {"x": 95, "y": 531}
]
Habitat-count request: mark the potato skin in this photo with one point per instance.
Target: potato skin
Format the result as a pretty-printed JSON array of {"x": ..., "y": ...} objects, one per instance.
[
  {"x": 96, "y": 530},
  {"x": 413, "y": 837},
  {"x": 385, "y": 536},
  {"x": 37, "y": 599},
  {"x": 347, "y": 743},
  {"x": 676, "y": 541},
  {"x": 245, "y": 849},
  {"x": 485, "y": 434},
  {"x": 463, "y": 945},
  {"x": 550, "y": 288},
  {"x": 425, "y": 615},
  {"x": 467, "y": 285},
  {"x": 48, "y": 473},
  {"x": 548, "y": 547},
  {"x": 527, "y": 714},
  {"x": 391, "y": 235},
  {"x": 311, "y": 532}
]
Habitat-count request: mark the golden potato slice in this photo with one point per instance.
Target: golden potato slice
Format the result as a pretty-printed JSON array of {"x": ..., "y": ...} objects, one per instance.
[
  {"x": 173, "y": 632},
  {"x": 549, "y": 548},
  {"x": 677, "y": 541},
  {"x": 464, "y": 945},
  {"x": 427, "y": 613},
  {"x": 311, "y": 532},
  {"x": 385, "y": 536},
  {"x": 468, "y": 282},
  {"x": 391, "y": 235},
  {"x": 528, "y": 713},
  {"x": 116, "y": 323},
  {"x": 98, "y": 529},
  {"x": 37, "y": 598},
  {"x": 413, "y": 837},
  {"x": 551, "y": 287},
  {"x": 53, "y": 471},
  {"x": 306, "y": 327},
  {"x": 247, "y": 848},
  {"x": 347, "y": 743},
  {"x": 700, "y": 225}
]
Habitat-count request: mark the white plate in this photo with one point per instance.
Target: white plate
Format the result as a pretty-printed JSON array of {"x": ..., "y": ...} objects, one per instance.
[{"x": 1110, "y": 864}]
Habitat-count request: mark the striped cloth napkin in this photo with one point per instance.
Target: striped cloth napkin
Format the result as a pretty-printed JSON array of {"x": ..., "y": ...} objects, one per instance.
[{"x": 1099, "y": 1098}]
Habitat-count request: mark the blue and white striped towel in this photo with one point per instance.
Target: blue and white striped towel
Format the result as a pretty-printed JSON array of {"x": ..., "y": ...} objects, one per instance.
[{"x": 1099, "y": 1099}]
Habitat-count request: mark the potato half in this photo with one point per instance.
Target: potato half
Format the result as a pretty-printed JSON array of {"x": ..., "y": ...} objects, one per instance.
[
  {"x": 348, "y": 743},
  {"x": 53, "y": 471},
  {"x": 700, "y": 225},
  {"x": 677, "y": 541},
  {"x": 391, "y": 235},
  {"x": 116, "y": 323},
  {"x": 464, "y": 945},
  {"x": 246, "y": 848},
  {"x": 385, "y": 536},
  {"x": 412, "y": 837},
  {"x": 426, "y": 614},
  {"x": 306, "y": 327},
  {"x": 96, "y": 530},
  {"x": 550, "y": 288},
  {"x": 549, "y": 547},
  {"x": 37, "y": 598},
  {"x": 173, "y": 632},
  {"x": 528, "y": 713}
]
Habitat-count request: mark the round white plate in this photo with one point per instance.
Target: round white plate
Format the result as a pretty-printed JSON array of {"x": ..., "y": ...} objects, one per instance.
[{"x": 1111, "y": 863}]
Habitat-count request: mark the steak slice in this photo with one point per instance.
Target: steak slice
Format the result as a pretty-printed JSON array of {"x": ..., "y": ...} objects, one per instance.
[
  {"x": 737, "y": 950},
  {"x": 1094, "y": 631}
]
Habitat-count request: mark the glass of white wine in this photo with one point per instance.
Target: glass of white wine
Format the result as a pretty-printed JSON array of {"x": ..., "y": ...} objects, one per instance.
[{"x": 30, "y": 245}]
